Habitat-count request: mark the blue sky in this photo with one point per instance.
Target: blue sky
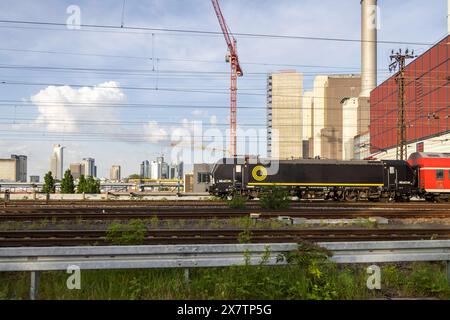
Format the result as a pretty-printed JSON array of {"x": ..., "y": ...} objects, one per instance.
[{"x": 131, "y": 134}]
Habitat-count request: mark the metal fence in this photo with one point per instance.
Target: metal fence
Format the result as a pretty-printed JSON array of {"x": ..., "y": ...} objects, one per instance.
[{"x": 209, "y": 255}]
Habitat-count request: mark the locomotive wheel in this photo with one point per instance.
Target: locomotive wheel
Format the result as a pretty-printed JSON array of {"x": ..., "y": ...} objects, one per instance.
[{"x": 350, "y": 196}]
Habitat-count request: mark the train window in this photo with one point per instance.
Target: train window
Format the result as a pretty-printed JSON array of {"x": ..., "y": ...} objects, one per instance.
[
  {"x": 440, "y": 174},
  {"x": 448, "y": 174}
]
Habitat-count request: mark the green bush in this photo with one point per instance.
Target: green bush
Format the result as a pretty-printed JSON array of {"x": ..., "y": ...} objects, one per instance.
[{"x": 275, "y": 199}]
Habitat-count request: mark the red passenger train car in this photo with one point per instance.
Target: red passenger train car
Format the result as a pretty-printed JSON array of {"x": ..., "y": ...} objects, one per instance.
[{"x": 433, "y": 174}]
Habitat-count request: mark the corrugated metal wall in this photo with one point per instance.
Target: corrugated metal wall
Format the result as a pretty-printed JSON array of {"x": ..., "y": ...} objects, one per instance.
[{"x": 427, "y": 96}]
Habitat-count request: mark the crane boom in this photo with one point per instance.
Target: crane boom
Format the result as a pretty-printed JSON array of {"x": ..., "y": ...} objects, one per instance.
[{"x": 236, "y": 71}]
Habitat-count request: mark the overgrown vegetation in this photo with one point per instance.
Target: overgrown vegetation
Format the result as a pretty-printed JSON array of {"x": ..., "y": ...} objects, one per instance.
[
  {"x": 131, "y": 233},
  {"x": 237, "y": 202},
  {"x": 308, "y": 275},
  {"x": 275, "y": 199}
]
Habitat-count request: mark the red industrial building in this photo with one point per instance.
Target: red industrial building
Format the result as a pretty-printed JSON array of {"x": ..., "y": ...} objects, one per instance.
[{"x": 427, "y": 96}]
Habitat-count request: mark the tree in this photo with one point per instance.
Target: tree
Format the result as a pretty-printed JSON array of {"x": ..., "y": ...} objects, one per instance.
[
  {"x": 81, "y": 187},
  {"x": 92, "y": 185},
  {"x": 67, "y": 184},
  {"x": 49, "y": 183},
  {"x": 134, "y": 176}
]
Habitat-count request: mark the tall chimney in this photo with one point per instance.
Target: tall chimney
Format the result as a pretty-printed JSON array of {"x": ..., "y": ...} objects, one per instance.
[{"x": 368, "y": 46}]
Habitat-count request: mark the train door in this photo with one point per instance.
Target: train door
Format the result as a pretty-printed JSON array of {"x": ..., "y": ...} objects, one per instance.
[
  {"x": 238, "y": 174},
  {"x": 392, "y": 178}
]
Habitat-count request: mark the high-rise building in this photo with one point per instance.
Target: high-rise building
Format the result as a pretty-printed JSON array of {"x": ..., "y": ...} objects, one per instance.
[
  {"x": 57, "y": 162},
  {"x": 8, "y": 170},
  {"x": 176, "y": 171},
  {"x": 77, "y": 169},
  {"x": 115, "y": 174},
  {"x": 284, "y": 115},
  {"x": 89, "y": 167},
  {"x": 145, "y": 170},
  {"x": 156, "y": 170},
  {"x": 21, "y": 167}
]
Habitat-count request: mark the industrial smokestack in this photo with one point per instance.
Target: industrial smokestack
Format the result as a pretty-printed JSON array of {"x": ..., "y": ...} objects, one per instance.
[{"x": 368, "y": 46}]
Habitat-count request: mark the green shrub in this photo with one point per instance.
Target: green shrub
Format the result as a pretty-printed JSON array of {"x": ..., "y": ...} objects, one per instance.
[{"x": 275, "y": 199}]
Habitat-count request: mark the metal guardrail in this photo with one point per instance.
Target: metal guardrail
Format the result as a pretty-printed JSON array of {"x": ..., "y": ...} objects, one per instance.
[{"x": 209, "y": 255}]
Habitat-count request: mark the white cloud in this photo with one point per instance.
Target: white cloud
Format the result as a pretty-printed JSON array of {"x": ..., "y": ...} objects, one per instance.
[
  {"x": 213, "y": 120},
  {"x": 65, "y": 109},
  {"x": 154, "y": 133}
]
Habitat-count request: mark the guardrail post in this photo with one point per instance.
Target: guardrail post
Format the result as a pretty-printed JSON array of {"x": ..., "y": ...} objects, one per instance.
[
  {"x": 34, "y": 285},
  {"x": 448, "y": 272},
  {"x": 186, "y": 276}
]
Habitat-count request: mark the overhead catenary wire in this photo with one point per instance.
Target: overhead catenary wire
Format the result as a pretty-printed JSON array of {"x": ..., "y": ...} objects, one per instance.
[{"x": 208, "y": 32}]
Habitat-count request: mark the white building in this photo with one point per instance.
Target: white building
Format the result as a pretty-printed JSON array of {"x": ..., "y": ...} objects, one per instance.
[
  {"x": 318, "y": 116},
  {"x": 57, "y": 162},
  {"x": 349, "y": 127}
]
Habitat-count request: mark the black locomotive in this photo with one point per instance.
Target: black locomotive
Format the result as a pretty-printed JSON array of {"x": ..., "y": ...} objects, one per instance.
[{"x": 315, "y": 179}]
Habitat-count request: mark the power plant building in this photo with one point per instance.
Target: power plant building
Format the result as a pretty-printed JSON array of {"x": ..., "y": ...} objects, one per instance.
[
  {"x": 329, "y": 115},
  {"x": 284, "y": 115}
]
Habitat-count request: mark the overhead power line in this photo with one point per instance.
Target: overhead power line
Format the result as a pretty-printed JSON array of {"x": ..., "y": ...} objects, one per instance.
[{"x": 191, "y": 31}]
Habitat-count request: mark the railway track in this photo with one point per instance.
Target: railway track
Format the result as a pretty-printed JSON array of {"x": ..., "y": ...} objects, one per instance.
[
  {"x": 201, "y": 203},
  {"x": 198, "y": 236},
  {"x": 309, "y": 212}
]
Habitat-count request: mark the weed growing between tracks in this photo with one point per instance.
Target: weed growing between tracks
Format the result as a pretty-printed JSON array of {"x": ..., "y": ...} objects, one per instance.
[
  {"x": 237, "y": 202},
  {"x": 131, "y": 233}
]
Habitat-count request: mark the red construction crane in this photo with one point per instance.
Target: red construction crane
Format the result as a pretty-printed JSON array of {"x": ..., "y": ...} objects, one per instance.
[{"x": 236, "y": 71}]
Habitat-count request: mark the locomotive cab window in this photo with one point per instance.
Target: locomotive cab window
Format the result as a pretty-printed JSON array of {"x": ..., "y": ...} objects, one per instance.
[
  {"x": 440, "y": 174},
  {"x": 448, "y": 174}
]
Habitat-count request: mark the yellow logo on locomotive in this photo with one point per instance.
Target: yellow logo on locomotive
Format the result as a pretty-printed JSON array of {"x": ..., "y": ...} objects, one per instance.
[{"x": 259, "y": 173}]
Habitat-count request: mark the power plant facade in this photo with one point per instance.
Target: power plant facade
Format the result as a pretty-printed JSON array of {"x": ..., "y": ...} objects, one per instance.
[
  {"x": 427, "y": 96},
  {"x": 328, "y": 121},
  {"x": 284, "y": 115}
]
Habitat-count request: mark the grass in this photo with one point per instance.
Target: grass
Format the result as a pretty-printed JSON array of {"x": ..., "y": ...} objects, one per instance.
[{"x": 311, "y": 280}]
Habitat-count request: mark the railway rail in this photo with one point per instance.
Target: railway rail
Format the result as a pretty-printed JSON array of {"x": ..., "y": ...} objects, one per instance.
[
  {"x": 199, "y": 236},
  {"x": 309, "y": 212}
]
